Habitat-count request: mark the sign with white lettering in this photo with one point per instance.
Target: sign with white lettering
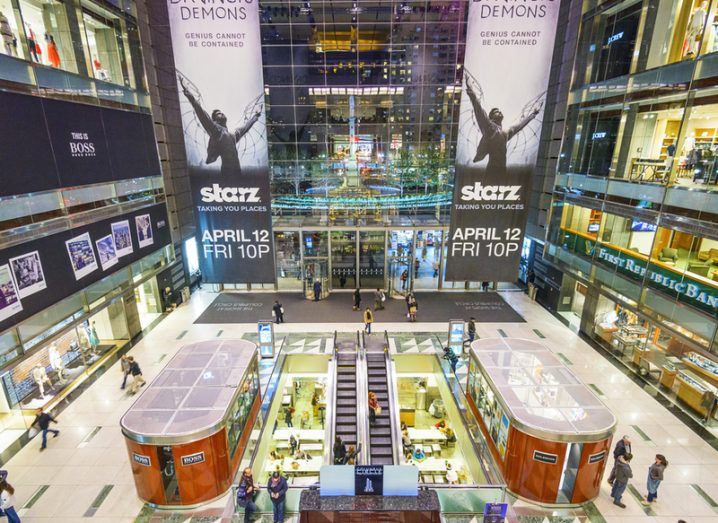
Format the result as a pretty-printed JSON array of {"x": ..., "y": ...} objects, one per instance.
[
  {"x": 192, "y": 459},
  {"x": 597, "y": 458},
  {"x": 225, "y": 136},
  {"x": 545, "y": 457},
  {"x": 369, "y": 480},
  {"x": 141, "y": 459},
  {"x": 506, "y": 71}
]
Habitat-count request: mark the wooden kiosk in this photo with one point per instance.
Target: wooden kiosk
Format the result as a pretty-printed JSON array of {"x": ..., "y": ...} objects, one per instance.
[
  {"x": 549, "y": 434},
  {"x": 187, "y": 432}
]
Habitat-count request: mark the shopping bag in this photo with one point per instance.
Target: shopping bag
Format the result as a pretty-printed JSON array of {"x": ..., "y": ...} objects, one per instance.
[{"x": 32, "y": 432}]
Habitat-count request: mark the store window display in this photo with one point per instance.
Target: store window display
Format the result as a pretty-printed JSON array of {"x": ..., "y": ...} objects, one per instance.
[
  {"x": 106, "y": 56},
  {"x": 614, "y": 52},
  {"x": 47, "y": 33},
  {"x": 9, "y": 24}
]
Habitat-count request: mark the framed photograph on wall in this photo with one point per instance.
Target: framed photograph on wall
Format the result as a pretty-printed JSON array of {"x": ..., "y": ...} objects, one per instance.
[
  {"x": 9, "y": 297},
  {"x": 28, "y": 273},
  {"x": 144, "y": 230},
  {"x": 106, "y": 251},
  {"x": 82, "y": 256},
  {"x": 123, "y": 237}
]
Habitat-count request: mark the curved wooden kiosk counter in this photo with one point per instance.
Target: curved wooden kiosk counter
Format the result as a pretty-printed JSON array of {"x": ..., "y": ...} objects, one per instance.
[
  {"x": 186, "y": 433},
  {"x": 549, "y": 434}
]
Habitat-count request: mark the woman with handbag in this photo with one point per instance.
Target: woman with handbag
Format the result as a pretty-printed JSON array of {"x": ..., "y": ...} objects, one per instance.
[
  {"x": 7, "y": 502},
  {"x": 245, "y": 494},
  {"x": 374, "y": 408}
]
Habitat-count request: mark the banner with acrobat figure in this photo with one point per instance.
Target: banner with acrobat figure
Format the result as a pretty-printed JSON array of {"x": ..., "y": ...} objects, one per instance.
[
  {"x": 218, "y": 66},
  {"x": 509, "y": 46}
]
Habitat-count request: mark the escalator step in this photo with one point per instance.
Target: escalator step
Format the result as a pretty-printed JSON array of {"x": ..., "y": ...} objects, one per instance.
[
  {"x": 381, "y": 452},
  {"x": 346, "y": 394},
  {"x": 345, "y": 420},
  {"x": 345, "y": 411},
  {"x": 380, "y": 441},
  {"x": 382, "y": 461}
]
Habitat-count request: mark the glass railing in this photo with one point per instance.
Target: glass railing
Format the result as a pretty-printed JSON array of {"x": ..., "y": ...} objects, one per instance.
[{"x": 480, "y": 447}]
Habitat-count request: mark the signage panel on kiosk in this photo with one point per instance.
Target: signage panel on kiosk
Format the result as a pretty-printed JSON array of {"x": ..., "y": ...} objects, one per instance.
[
  {"x": 495, "y": 512},
  {"x": 265, "y": 329},
  {"x": 456, "y": 336}
]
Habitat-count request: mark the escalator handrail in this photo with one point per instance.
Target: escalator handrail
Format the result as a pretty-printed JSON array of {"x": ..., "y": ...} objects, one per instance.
[
  {"x": 481, "y": 449},
  {"x": 329, "y": 414},
  {"x": 362, "y": 420},
  {"x": 394, "y": 418},
  {"x": 268, "y": 399}
]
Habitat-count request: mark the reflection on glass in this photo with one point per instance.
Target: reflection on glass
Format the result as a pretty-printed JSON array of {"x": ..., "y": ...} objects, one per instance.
[
  {"x": 344, "y": 260},
  {"x": 371, "y": 259}
]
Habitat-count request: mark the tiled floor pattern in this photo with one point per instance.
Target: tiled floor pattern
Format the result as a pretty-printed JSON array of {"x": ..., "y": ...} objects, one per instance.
[{"x": 87, "y": 469}]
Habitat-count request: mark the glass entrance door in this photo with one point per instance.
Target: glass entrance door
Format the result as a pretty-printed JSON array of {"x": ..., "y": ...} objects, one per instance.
[
  {"x": 316, "y": 269},
  {"x": 371, "y": 259},
  {"x": 344, "y": 260},
  {"x": 401, "y": 261}
]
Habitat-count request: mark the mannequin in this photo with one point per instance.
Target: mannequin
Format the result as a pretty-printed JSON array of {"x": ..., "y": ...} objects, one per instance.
[
  {"x": 32, "y": 42},
  {"x": 694, "y": 29},
  {"x": 52, "y": 54},
  {"x": 101, "y": 73},
  {"x": 57, "y": 364},
  {"x": 91, "y": 335},
  {"x": 39, "y": 376},
  {"x": 8, "y": 37}
]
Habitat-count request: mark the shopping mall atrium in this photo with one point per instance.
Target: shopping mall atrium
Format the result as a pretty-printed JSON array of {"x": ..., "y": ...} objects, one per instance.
[{"x": 371, "y": 260}]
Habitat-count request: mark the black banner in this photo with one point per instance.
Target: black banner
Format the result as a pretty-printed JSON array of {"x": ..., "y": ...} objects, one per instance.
[
  {"x": 488, "y": 217},
  {"x": 234, "y": 226},
  {"x": 40, "y": 273},
  {"x": 369, "y": 480},
  {"x": 48, "y": 144}
]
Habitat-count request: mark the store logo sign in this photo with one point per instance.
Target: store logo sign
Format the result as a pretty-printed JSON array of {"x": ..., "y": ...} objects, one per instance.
[
  {"x": 598, "y": 136},
  {"x": 614, "y": 38},
  {"x": 597, "y": 458},
  {"x": 478, "y": 192},
  {"x": 217, "y": 194},
  {"x": 545, "y": 457},
  {"x": 141, "y": 459},
  {"x": 192, "y": 459},
  {"x": 81, "y": 146},
  {"x": 677, "y": 284}
]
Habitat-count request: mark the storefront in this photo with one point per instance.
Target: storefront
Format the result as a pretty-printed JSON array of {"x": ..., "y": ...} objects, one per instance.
[
  {"x": 96, "y": 41},
  {"x": 186, "y": 433},
  {"x": 548, "y": 433}
]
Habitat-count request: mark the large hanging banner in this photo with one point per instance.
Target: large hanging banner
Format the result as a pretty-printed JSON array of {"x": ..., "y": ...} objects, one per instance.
[
  {"x": 506, "y": 70},
  {"x": 218, "y": 60}
]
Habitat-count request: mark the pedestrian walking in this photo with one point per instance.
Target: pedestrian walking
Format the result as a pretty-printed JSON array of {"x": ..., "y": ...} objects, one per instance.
[
  {"x": 278, "y": 312},
  {"x": 622, "y": 448},
  {"x": 623, "y": 474},
  {"x": 137, "y": 379},
  {"x": 368, "y": 320},
  {"x": 417, "y": 264},
  {"x": 293, "y": 444},
  {"x": 404, "y": 279},
  {"x": 125, "y": 365},
  {"x": 42, "y": 421},
  {"x": 357, "y": 299},
  {"x": 277, "y": 488},
  {"x": 531, "y": 280},
  {"x": 352, "y": 453},
  {"x": 340, "y": 451},
  {"x": 655, "y": 476},
  {"x": 379, "y": 299},
  {"x": 472, "y": 329},
  {"x": 7, "y": 502},
  {"x": 485, "y": 286},
  {"x": 374, "y": 408},
  {"x": 245, "y": 494},
  {"x": 413, "y": 308},
  {"x": 317, "y": 290},
  {"x": 435, "y": 266},
  {"x": 288, "y": 416}
]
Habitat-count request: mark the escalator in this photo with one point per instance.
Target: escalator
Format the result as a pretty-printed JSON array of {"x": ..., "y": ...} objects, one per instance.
[
  {"x": 383, "y": 432},
  {"x": 345, "y": 410}
]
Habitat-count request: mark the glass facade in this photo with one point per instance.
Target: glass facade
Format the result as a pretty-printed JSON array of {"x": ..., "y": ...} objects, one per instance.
[
  {"x": 632, "y": 221},
  {"x": 362, "y": 110}
]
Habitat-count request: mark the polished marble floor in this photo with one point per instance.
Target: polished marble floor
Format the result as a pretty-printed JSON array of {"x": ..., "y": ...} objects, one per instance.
[{"x": 84, "y": 475}]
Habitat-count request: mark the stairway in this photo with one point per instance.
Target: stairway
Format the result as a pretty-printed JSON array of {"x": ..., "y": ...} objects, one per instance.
[
  {"x": 380, "y": 443},
  {"x": 345, "y": 417}
]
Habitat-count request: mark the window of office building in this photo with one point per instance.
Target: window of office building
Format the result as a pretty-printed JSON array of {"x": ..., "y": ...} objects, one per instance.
[{"x": 48, "y": 33}]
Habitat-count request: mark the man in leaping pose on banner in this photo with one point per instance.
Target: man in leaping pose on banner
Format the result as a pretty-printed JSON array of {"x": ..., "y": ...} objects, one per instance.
[
  {"x": 222, "y": 142},
  {"x": 493, "y": 138}
]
